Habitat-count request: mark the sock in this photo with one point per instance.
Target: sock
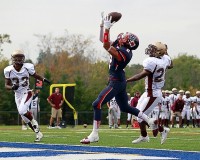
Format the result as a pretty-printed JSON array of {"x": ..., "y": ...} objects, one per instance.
[
  {"x": 96, "y": 125},
  {"x": 30, "y": 125},
  {"x": 143, "y": 116},
  {"x": 160, "y": 129}
]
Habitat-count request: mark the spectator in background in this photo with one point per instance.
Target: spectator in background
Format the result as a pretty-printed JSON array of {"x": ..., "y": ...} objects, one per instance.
[
  {"x": 177, "y": 108},
  {"x": 34, "y": 106},
  {"x": 56, "y": 101},
  {"x": 133, "y": 103}
]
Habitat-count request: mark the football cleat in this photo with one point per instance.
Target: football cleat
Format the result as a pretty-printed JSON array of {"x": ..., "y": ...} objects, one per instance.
[
  {"x": 24, "y": 127},
  {"x": 39, "y": 136},
  {"x": 90, "y": 139},
  {"x": 164, "y": 134},
  {"x": 141, "y": 139}
]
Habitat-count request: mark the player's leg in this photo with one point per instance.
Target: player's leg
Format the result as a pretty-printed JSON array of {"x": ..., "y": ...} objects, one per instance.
[
  {"x": 128, "y": 121},
  {"x": 188, "y": 117},
  {"x": 183, "y": 114},
  {"x": 115, "y": 117},
  {"x": 23, "y": 110},
  {"x": 58, "y": 119},
  {"x": 110, "y": 117},
  {"x": 106, "y": 95}
]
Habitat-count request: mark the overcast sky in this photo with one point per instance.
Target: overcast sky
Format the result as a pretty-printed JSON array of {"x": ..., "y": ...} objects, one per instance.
[{"x": 174, "y": 22}]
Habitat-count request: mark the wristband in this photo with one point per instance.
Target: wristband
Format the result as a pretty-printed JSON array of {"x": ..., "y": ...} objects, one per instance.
[{"x": 105, "y": 37}]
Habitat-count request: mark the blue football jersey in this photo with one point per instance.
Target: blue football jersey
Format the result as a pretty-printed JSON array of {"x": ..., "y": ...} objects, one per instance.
[{"x": 116, "y": 68}]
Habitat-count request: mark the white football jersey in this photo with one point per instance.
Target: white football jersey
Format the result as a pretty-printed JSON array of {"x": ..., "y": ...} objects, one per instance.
[
  {"x": 188, "y": 102},
  {"x": 157, "y": 67},
  {"x": 197, "y": 101},
  {"x": 34, "y": 103},
  {"x": 173, "y": 98},
  {"x": 165, "y": 103},
  {"x": 113, "y": 103},
  {"x": 21, "y": 77}
]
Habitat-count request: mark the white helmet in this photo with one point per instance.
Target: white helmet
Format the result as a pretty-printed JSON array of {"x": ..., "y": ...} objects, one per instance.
[
  {"x": 174, "y": 89},
  {"x": 197, "y": 92},
  {"x": 157, "y": 49},
  {"x": 187, "y": 92},
  {"x": 18, "y": 57}
]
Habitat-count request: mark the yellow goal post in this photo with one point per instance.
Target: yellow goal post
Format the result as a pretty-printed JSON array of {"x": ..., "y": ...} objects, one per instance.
[{"x": 64, "y": 86}]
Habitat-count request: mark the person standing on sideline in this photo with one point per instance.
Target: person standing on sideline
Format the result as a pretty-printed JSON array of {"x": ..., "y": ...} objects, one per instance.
[
  {"x": 34, "y": 106},
  {"x": 17, "y": 78},
  {"x": 177, "y": 108},
  {"x": 154, "y": 68},
  {"x": 133, "y": 103},
  {"x": 112, "y": 114},
  {"x": 121, "y": 52},
  {"x": 56, "y": 102}
]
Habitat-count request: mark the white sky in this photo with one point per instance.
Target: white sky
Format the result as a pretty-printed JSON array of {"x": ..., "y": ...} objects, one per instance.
[{"x": 174, "y": 22}]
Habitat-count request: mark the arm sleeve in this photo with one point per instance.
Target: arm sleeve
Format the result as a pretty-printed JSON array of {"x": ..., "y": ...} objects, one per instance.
[{"x": 149, "y": 64}]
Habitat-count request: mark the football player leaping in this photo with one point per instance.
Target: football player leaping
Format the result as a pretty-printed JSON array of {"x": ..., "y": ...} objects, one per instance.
[
  {"x": 154, "y": 73},
  {"x": 17, "y": 79},
  {"x": 121, "y": 52}
]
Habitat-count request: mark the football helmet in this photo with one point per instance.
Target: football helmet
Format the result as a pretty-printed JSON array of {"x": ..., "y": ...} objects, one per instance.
[
  {"x": 157, "y": 49},
  {"x": 128, "y": 40},
  {"x": 18, "y": 57},
  {"x": 187, "y": 92},
  {"x": 181, "y": 91},
  {"x": 174, "y": 89},
  {"x": 198, "y": 93}
]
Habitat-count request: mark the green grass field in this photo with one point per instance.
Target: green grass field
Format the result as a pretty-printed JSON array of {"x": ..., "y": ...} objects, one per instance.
[{"x": 187, "y": 139}]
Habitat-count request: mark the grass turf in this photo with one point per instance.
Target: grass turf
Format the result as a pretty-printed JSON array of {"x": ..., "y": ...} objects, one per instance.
[{"x": 187, "y": 139}]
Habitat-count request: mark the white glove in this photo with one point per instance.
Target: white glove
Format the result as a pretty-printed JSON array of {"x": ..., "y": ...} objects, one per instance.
[
  {"x": 102, "y": 19},
  {"x": 107, "y": 22}
]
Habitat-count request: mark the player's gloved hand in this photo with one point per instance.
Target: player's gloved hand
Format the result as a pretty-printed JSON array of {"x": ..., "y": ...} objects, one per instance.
[
  {"x": 197, "y": 112},
  {"x": 102, "y": 19},
  {"x": 15, "y": 86},
  {"x": 47, "y": 81},
  {"x": 107, "y": 22}
]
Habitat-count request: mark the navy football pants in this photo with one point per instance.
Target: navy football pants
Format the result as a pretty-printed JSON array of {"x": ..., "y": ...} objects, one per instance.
[{"x": 115, "y": 89}]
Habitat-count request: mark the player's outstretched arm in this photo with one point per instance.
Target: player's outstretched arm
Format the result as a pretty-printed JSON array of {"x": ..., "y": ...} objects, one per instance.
[
  {"x": 139, "y": 76},
  {"x": 106, "y": 38},
  {"x": 101, "y": 27},
  {"x": 36, "y": 76}
]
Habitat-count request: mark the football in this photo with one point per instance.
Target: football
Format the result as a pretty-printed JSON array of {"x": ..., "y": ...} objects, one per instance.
[
  {"x": 85, "y": 125},
  {"x": 116, "y": 16}
]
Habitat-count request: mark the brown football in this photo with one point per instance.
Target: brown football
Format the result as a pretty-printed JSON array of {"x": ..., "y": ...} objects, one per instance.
[{"x": 116, "y": 16}]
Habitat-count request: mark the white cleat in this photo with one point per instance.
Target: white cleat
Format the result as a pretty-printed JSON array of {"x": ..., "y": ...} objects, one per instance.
[
  {"x": 24, "y": 127},
  {"x": 153, "y": 123},
  {"x": 39, "y": 136},
  {"x": 164, "y": 134},
  {"x": 141, "y": 139},
  {"x": 90, "y": 139}
]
